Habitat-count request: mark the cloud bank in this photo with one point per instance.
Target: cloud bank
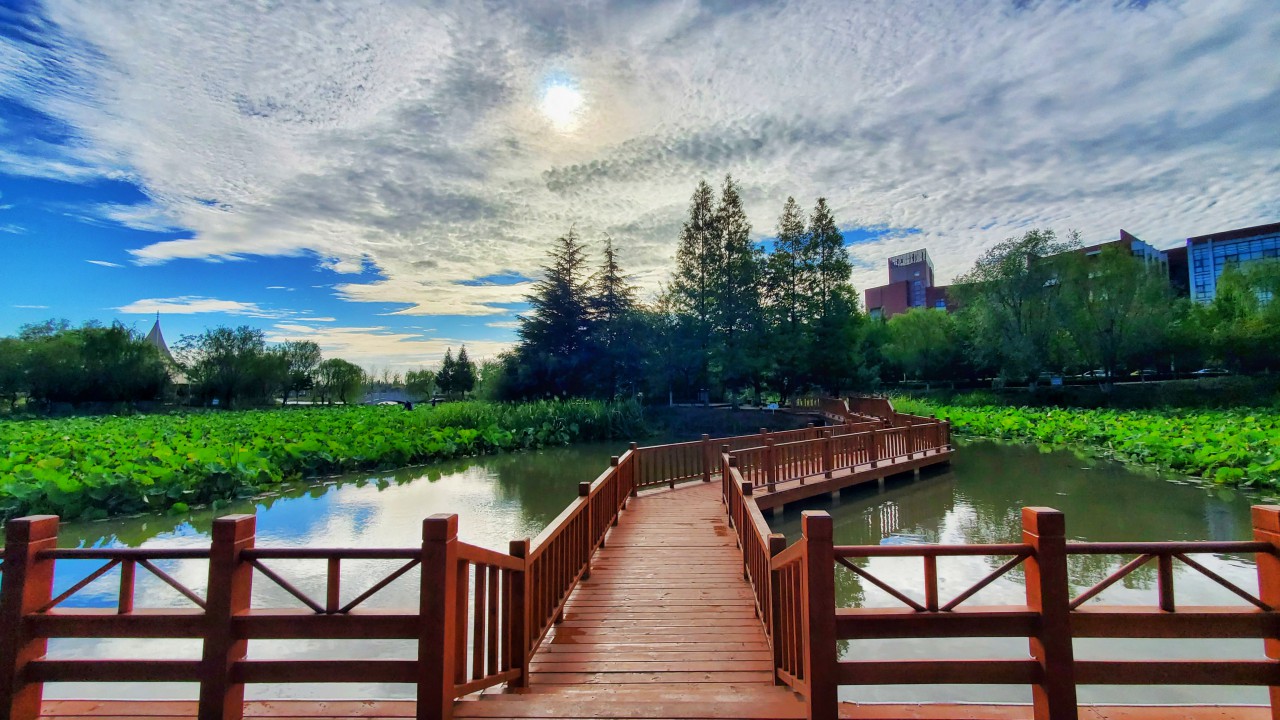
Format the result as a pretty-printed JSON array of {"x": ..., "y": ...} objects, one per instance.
[{"x": 414, "y": 139}]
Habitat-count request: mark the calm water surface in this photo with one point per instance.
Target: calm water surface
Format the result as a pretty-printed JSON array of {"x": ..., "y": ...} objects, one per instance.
[{"x": 501, "y": 498}]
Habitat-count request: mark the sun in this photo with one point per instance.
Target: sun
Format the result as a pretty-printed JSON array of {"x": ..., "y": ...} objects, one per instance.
[{"x": 562, "y": 104}]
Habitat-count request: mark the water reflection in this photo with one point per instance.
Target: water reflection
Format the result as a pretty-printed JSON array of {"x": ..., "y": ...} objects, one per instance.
[{"x": 979, "y": 500}]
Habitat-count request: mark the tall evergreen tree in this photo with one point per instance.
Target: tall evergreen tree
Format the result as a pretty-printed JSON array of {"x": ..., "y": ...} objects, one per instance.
[
  {"x": 464, "y": 373},
  {"x": 699, "y": 260},
  {"x": 448, "y": 372},
  {"x": 833, "y": 336},
  {"x": 789, "y": 279},
  {"x": 553, "y": 335},
  {"x": 737, "y": 294},
  {"x": 612, "y": 306}
]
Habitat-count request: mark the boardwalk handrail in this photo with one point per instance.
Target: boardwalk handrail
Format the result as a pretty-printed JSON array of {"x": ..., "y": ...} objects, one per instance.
[
  {"x": 797, "y": 603},
  {"x": 227, "y": 616},
  {"x": 481, "y": 615}
]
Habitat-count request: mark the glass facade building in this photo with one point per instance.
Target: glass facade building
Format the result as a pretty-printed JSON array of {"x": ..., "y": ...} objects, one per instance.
[{"x": 1209, "y": 255}]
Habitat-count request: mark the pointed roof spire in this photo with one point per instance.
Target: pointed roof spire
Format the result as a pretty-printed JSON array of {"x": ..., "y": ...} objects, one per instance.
[{"x": 155, "y": 337}]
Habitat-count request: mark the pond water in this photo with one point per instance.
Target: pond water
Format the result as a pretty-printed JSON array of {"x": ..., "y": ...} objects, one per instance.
[{"x": 500, "y": 498}]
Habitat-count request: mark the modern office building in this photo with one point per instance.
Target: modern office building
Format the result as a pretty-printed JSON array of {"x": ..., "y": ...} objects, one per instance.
[
  {"x": 1209, "y": 255},
  {"x": 910, "y": 286}
]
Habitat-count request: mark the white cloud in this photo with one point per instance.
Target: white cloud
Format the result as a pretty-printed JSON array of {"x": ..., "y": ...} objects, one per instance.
[
  {"x": 504, "y": 324},
  {"x": 196, "y": 305},
  {"x": 381, "y": 346},
  {"x": 12, "y": 229},
  {"x": 410, "y": 139},
  {"x": 104, "y": 263},
  {"x": 30, "y": 307}
]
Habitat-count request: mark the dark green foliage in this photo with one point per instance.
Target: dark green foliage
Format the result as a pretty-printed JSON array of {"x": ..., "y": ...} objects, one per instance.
[
  {"x": 339, "y": 381},
  {"x": 93, "y": 467},
  {"x": 55, "y": 363}
]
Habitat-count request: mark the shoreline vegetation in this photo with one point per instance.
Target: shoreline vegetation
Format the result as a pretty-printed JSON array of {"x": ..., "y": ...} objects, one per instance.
[
  {"x": 91, "y": 468},
  {"x": 1239, "y": 447}
]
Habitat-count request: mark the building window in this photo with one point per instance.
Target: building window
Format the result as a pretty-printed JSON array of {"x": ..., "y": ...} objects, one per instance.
[
  {"x": 940, "y": 304},
  {"x": 917, "y": 293}
]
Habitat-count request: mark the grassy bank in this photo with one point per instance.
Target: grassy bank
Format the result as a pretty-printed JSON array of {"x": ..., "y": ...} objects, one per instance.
[
  {"x": 1233, "y": 447},
  {"x": 93, "y": 467}
]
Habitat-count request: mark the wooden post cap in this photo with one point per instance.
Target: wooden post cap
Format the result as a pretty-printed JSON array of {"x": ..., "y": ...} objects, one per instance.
[
  {"x": 705, "y": 437},
  {"x": 614, "y": 460},
  {"x": 441, "y": 526},
  {"x": 31, "y": 528},
  {"x": 733, "y": 461},
  {"x": 724, "y": 449},
  {"x": 584, "y": 489},
  {"x": 230, "y": 528},
  {"x": 1044, "y": 521},
  {"x": 1266, "y": 517},
  {"x": 746, "y": 487},
  {"x": 816, "y": 524},
  {"x": 518, "y": 548},
  {"x": 634, "y": 446}
]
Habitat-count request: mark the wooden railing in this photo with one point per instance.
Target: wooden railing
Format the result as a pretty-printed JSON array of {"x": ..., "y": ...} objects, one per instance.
[
  {"x": 669, "y": 465},
  {"x": 481, "y": 613},
  {"x": 226, "y": 618},
  {"x": 778, "y": 462},
  {"x": 805, "y": 623}
]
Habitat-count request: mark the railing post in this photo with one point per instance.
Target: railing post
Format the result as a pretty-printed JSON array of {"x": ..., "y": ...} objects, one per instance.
[
  {"x": 777, "y": 543},
  {"x": 616, "y": 508},
  {"x": 635, "y": 467},
  {"x": 28, "y": 586},
  {"x": 873, "y": 452},
  {"x": 743, "y": 531},
  {"x": 230, "y": 593},
  {"x": 519, "y": 615},
  {"x": 588, "y": 539},
  {"x": 438, "y": 617},
  {"x": 819, "y": 592},
  {"x": 724, "y": 474},
  {"x": 770, "y": 463},
  {"x": 1048, "y": 593},
  {"x": 706, "y": 458},
  {"x": 946, "y": 434},
  {"x": 828, "y": 455},
  {"x": 1266, "y": 528}
]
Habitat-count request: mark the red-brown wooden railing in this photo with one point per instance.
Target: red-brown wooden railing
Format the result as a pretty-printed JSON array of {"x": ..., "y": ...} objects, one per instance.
[
  {"x": 804, "y": 624},
  {"x": 778, "y": 462},
  {"x": 480, "y": 617}
]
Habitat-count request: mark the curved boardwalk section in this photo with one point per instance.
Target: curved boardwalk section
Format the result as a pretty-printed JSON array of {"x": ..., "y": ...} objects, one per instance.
[{"x": 664, "y": 626}]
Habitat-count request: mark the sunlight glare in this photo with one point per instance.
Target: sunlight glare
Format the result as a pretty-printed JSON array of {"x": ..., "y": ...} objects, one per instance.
[{"x": 562, "y": 105}]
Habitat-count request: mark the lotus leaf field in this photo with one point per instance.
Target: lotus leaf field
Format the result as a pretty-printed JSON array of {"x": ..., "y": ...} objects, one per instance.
[
  {"x": 95, "y": 467},
  {"x": 1231, "y": 447}
]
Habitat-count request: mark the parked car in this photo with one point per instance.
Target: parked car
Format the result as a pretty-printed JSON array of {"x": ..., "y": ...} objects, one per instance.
[
  {"x": 1205, "y": 372},
  {"x": 1147, "y": 373}
]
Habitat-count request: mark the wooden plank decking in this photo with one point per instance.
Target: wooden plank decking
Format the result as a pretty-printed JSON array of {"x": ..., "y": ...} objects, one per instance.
[{"x": 664, "y": 627}]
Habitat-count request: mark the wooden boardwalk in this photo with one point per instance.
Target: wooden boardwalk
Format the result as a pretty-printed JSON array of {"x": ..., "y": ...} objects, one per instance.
[
  {"x": 680, "y": 603},
  {"x": 665, "y": 626}
]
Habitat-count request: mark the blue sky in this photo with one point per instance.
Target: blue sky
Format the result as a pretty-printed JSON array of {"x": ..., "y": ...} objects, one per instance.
[{"x": 386, "y": 179}]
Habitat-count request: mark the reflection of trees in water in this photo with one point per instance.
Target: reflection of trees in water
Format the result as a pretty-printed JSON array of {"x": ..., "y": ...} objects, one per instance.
[{"x": 541, "y": 483}]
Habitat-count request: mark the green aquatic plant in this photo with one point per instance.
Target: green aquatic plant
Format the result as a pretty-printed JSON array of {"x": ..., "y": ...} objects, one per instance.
[
  {"x": 1230, "y": 447},
  {"x": 96, "y": 467}
]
